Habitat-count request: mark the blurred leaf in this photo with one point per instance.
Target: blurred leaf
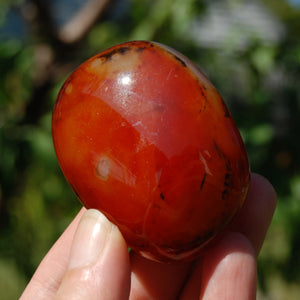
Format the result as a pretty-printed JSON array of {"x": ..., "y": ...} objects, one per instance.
[
  {"x": 103, "y": 36},
  {"x": 157, "y": 14},
  {"x": 9, "y": 48},
  {"x": 295, "y": 188},
  {"x": 41, "y": 143},
  {"x": 260, "y": 134},
  {"x": 12, "y": 282},
  {"x": 263, "y": 58}
]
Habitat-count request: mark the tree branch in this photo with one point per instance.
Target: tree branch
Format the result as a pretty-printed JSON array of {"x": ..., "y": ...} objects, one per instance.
[{"x": 81, "y": 23}]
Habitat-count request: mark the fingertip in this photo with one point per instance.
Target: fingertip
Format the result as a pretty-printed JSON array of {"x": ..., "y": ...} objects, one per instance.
[
  {"x": 90, "y": 239},
  {"x": 262, "y": 186},
  {"x": 255, "y": 216},
  {"x": 99, "y": 261}
]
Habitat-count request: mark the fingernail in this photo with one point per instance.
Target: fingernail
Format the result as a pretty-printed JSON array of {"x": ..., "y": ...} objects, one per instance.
[{"x": 89, "y": 239}]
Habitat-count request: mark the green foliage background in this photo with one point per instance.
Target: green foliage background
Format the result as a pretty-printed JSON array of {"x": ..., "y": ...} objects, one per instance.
[{"x": 259, "y": 82}]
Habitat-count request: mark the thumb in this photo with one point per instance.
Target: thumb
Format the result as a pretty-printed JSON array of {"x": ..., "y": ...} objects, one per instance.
[{"x": 99, "y": 265}]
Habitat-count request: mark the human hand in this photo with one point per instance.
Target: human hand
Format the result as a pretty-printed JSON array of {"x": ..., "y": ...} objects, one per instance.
[{"x": 90, "y": 260}]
